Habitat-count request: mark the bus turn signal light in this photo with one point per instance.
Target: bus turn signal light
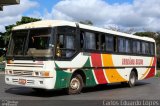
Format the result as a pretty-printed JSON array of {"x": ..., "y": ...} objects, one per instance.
[
  {"x": 45, "y": 74},
  {"x": 10, "y": 62}
]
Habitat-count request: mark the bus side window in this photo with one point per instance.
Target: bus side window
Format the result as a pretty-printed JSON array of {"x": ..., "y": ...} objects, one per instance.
[
  {"x": 115, "y": 44},
  {"x": 134, "y": 46},
  {"x": 89, "y": 41},
  {"x": 124, "y": 45},
  {"x": 98, "y": 38},
  {"x": 121, "y": 45},
  {"x": 65, "y": 46},
  {"x": 138, "y": 45},
  {"x": 143, "y": 48},
  {"x": 60, "y": 44},
  {"x": 82, "y": 40},
  {"x": 69, "y": 45},
  {"x": 151, "y": 48},
  {"x": 147, "y": 48},
  {"x": 103, "y": 44},
  {"x": 109, "y": 41},
  {"x": 61, "y": 41},
  {"x": 128, "y": 46}
]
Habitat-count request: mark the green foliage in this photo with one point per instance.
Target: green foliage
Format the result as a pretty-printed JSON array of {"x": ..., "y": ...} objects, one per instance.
[
  {"x": 25, "y": 20},
  {"x": 158, "y": 74},
  {"x": 147, "y": 34}
]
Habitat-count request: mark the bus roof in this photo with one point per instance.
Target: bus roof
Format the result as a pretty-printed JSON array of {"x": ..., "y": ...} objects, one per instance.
[{"x": 54, "y": 23}]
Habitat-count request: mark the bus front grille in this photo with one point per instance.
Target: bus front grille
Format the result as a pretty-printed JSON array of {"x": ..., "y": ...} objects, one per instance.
[{"x": 22, "y": 73}]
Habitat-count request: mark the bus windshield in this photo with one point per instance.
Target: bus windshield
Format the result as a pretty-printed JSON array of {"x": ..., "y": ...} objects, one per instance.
[{"x": 35, "y": 42}]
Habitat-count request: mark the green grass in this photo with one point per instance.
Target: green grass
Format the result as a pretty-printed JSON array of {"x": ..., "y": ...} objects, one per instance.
[{"x": 158, "y": 74}]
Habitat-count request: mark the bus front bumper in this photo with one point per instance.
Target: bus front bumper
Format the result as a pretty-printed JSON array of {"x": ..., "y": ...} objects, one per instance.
[{"x": 32, "y": 82}]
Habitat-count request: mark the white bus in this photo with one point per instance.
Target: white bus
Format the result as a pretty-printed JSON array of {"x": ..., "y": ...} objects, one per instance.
[{"x": 56, "y": 54}]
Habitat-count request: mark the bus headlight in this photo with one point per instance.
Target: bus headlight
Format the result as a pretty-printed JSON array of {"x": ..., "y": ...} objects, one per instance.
[
  {"x": 42, "y": 74},
  {"x": 36, "y": 73}
]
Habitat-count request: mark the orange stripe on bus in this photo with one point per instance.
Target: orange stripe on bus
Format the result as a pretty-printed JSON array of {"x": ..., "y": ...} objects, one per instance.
[{"x": 112, "y": 74}]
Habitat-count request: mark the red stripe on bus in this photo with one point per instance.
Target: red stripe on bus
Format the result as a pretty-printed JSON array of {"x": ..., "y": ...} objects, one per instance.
[
  {"x": 97, "y": 62},
  {"x": 152, "y": 70}
]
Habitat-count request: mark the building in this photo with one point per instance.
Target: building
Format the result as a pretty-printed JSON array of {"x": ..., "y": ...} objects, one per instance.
[{"x": 8, "y": 2}]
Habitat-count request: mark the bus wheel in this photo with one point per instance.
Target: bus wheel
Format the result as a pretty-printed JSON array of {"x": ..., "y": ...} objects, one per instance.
[
  {"x": 76, "y": 84},
  {"x": 132, "y": 79}
]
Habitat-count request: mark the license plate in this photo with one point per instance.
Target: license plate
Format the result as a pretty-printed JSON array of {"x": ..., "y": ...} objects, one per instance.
[{"x": 22, "y": 81}]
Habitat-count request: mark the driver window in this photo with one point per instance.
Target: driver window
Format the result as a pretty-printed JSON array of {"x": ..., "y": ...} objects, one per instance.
[{"x": 65, "y": 46}]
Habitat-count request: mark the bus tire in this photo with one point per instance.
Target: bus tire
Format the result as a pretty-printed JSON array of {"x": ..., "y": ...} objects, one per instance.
[
  {"x": 124, "y": 83},
  {"x": 132, "y": 79},
  {"x": 76, "y": 84}
]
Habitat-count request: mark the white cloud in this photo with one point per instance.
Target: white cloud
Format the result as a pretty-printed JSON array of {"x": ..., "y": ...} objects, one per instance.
[
  {"x": 2, "y": 28},
  {"x": 11, "y": 14},
  {"x": 140, "y": 14}
]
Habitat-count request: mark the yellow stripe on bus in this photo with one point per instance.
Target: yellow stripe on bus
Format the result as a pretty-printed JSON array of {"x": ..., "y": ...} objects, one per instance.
[{"x": 112, "y": 74}]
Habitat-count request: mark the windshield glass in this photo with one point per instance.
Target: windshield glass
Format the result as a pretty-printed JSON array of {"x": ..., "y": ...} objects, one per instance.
[
  {"x": 35, "y": 42},
  {"x": 39, "y": 40},
  {"x": 18, "y": 43}
]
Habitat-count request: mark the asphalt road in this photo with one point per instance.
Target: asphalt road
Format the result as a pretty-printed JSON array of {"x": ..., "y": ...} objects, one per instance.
[{"x": 144, "y": 90}]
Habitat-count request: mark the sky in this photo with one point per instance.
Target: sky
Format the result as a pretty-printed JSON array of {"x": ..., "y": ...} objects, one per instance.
[{"x": 140, "y": 15}]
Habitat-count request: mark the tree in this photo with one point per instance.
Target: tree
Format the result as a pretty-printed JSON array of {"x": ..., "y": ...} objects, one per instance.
[
  {"x": 86, "y": 22},
  {"x": 147, "y": 34},
  {"x": 113, "y": 28},
  {"x": 130, "y": 30},
  {"x": 25, "y": 20}
]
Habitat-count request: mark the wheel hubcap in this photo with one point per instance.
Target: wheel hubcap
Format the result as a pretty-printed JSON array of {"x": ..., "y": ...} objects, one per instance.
[
  {"x": 75, "y": 84},
  {"x": 132, "y": 79}
]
